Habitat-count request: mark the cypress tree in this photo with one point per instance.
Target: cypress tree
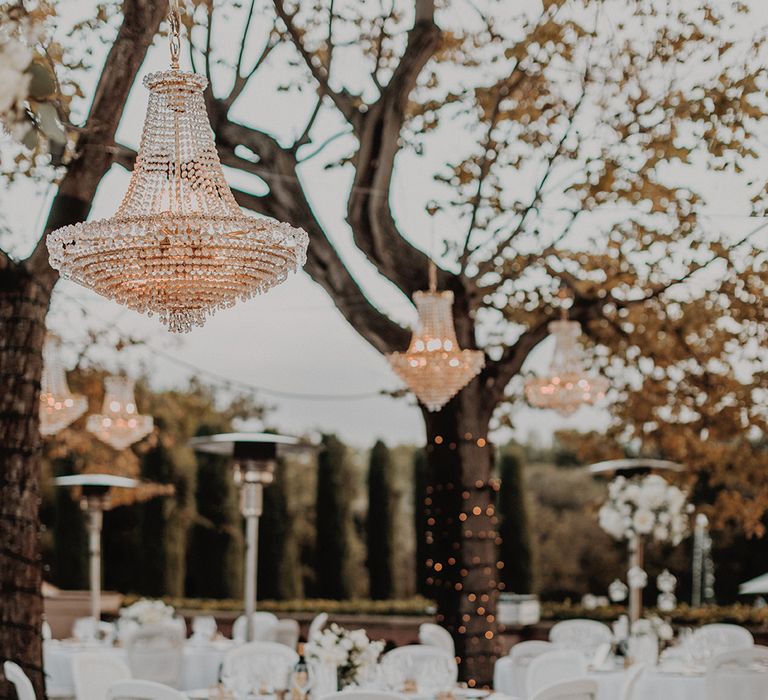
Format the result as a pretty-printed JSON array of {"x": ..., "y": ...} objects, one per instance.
[
  {"x": 272, "y": 537},
  {"x": 379, "y": 523},
  {"x": 420, "y": 520},
  {"x": 69, "y": 560},
  {"x": 333, "y": 516},
  {"x": 515, "y": 548}
]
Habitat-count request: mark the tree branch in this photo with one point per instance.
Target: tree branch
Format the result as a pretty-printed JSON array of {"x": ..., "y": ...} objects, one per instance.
[{"x": 141, "y": 20}]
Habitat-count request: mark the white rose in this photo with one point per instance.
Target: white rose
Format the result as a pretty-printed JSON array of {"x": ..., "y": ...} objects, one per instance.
[
  {"x": 653, "y": 492},
  {"x": 643, "y": 521},
  {"x": 660, "y": 533},
  {"x": 611, "y": 521}
]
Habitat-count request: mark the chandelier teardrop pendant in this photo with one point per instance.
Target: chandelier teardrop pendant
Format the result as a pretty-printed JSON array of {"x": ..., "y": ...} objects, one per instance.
[
  {"x": 59, "y": 407},
  {"x": 566, "y": 387},
  {"x": 119, "y": 424},
  {"x": 434, "y": 367},
  {"x": 178, "y": 246}
]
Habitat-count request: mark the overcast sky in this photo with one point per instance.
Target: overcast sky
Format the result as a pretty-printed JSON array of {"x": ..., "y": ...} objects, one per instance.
[{"x": 292, "y": 339}]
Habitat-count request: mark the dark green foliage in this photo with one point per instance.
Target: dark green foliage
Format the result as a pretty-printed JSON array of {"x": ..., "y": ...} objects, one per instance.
[
  {"x": 69, "y": 556},
  {"x": 419, "y": 520},
  {"x": 515, "y": 548},
  {"x": 379, "y": 525},
  {"x": 273, "y": 528},
  {"x": 122, "y": 550},
  {"x": 333, "y": 520}
]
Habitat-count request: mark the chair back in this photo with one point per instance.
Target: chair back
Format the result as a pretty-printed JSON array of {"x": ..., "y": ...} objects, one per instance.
[
  {"x": 155, "y": 653},
  {"x": 578, "y": 689},
  {"x": 264, "y": 624},
  {"x": 94, "y": 672},
  {"x": 142, "y": 690},
  {"x": 316, "y": 626},
  {"x": 554, "y": 667},
  {"x": 582, "y": 635},
  {"x": 263, "y": 661},
  {"x": 357, "y": 694},
  {"x": 521, "y": 656},
  {"x": 15, "y": 675},
  {"x": 287, "y": 632},
  {"x": 720, "y": 637},
  {"x": 433, "y": 670},
  {"x": 630, "y": 682},
  {"x": 741, "y": 673},
  {"x": 84, "y": 631},
  {"x": 435, "y": 636}
]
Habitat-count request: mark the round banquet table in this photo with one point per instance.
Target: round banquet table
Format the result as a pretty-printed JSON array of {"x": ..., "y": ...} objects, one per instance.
[
  {"x": 199, "y": 668},
  {"x": 653, "y": 684}
]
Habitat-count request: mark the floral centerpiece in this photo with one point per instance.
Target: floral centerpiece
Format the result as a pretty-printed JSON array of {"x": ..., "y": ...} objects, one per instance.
[
  {"x": 350, "y": 651},
  {"x": 647, "y": 506},
  {"x": 144, "y": 612}
]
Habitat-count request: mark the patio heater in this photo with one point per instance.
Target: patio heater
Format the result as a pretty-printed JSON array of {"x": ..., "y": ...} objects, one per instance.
[
  {"x": 254, "y": 458},
  {"x": 634, "y": 467},
  {"x": 94, "y": 499}
]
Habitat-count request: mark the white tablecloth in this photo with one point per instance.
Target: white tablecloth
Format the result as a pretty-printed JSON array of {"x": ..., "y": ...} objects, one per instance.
[
  {"x": 652, "y": 685},
  {"x": 200, "y": 668}
]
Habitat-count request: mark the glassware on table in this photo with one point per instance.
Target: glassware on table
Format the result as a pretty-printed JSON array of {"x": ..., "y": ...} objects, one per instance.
[
  {"x": 204, "y": 628},
  {"x": 302, "y": 678}
]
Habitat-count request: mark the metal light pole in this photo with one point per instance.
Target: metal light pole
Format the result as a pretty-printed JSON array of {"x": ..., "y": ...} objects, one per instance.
[
  {"x": 94, "y": 499},
  {"x": 254, "y": 457}
]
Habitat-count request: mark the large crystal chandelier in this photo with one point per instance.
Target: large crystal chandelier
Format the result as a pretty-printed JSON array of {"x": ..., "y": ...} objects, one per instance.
[
  {"x": 434, "y": 367},
  {"x": 179, "y": 245},
  {"x": 566, "y": 386},
  {"x": 119, "y": 423},
  {"x": 59, "y": 407}
]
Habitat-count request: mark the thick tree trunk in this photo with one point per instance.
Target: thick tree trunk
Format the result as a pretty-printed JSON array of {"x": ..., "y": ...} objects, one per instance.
[
  {"x": 461, "y": 529},
  {"x": 23, "y": 306}
]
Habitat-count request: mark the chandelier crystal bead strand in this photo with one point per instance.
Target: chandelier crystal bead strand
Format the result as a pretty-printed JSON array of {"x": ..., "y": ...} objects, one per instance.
[
  {"x": 119, "y": 423},
  {"x": 59, "y": 407},
  {"x": 178, "y": 246},
  {"x": 566, "y": 387},
  {"x": 434, "y": 367}
]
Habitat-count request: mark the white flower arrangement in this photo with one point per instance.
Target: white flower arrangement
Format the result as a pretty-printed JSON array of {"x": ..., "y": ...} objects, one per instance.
[
  {"x": 147, "y": 612},
  {"x": 648, "y": 506},
  {"x": 350, "y": 651}
]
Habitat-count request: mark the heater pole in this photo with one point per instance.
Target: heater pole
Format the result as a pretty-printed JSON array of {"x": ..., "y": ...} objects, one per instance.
[{"x": 95, "y": 518}]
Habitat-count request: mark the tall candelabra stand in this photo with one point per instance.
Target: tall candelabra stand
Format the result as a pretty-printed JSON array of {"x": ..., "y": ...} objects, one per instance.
[
  {"x": 254, "y": 458},
  {"x": 94, "y": 499},
  {"x": 636, "y": 575}
]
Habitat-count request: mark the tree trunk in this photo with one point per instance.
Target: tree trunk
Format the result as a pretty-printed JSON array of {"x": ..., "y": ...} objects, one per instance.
[
  {"x": 23, "y": 306},
  {"x": 461, "y": 529}
]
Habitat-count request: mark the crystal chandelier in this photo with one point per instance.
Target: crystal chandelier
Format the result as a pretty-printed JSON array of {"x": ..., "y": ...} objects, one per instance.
[
  {"x": 434, "y": 367},
  {"x": 59, "y": 407},
  {"x": 566, "y": 387},
  {"x": 179, "y": 245},
  {"x": 119, "y": 423}
]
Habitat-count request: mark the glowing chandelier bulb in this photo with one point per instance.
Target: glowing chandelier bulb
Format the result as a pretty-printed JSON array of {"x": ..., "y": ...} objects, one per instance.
[
  {"x": 434, "y": 367},
  {"x": 178, "y": 246},
  {"x": 59, "y": 407},
  {"x": 119, "y": 423},
  {"x": 566, "y": 387}
]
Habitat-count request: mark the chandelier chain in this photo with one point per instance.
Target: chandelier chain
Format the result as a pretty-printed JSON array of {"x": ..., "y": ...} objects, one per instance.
[{"x": 174, "y": 35}]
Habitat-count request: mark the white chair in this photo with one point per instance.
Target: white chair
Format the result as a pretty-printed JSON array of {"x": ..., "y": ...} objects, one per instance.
[
  {"x": 357, "y": 694},
  {"x": 94, "y": 673},
  {"x": 554, "y": 667},
  {"x": 15, "y": 675},
  {"x": 287, "y": 632},
  {"x": 435, "y": 636},
  {"x": 316, "y": 626},
  {"x": 582, "y": 635},
  {"x": 520, "y": 657},
  {"x": 720, "y": 637},
  {"x": 262, "y": 659},
  {"x": 45, "y": 631},
  {"x": 579, "y": 689},
  {"x": 739, "y": 674},
  {"x": 155, "y": 653},
  {"x": 264, "y": 624},
  {"x": 424, "y": 664},
  {"x": 142, "y": 690},
  {"x": 630, "y": 682}
]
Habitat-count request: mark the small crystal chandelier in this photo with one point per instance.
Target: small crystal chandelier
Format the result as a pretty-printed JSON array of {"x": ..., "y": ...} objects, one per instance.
[
  {"x": 59, "y": 407},
  {"x": 566, "y": 387},
  {"x": 434, "y": 367},
  {"x": 119, "y": 423},
  {"x": 179, "y": 245}
]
